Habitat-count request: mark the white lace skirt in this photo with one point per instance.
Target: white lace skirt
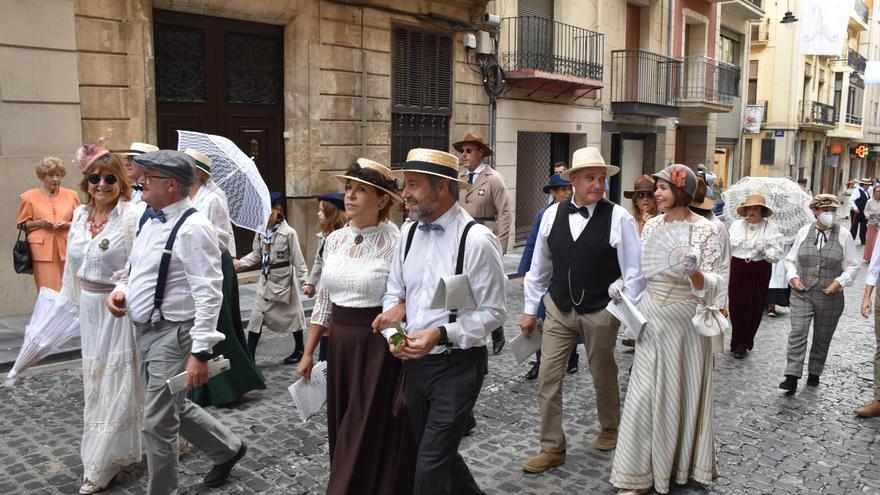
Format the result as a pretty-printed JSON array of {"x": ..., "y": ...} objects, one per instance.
[{"x": 113, "y": 391}]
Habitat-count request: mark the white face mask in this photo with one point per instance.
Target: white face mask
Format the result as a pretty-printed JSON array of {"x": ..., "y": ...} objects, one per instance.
[{"x": 826, "y": 218}]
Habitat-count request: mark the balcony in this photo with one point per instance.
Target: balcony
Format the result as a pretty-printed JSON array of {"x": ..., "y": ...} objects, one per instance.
[
  {"x": 816, "y": 116},
  {"x": 759, "y": 33},
  {"x": 859, "y": 18},
  {"x": 544, "y": 55},
  {"x": 853, "y": 119},
  {"x": 644, "y": 83},
  {"x": 709, "y": 85},
  {"x": 747, "y": 9}
]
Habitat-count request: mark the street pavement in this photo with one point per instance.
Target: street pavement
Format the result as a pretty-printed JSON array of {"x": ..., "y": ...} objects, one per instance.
[{"x": 766, "y": 442}]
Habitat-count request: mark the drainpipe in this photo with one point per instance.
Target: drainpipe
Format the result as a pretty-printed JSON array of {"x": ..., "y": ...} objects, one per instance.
[{"x": 669, "y": 29}]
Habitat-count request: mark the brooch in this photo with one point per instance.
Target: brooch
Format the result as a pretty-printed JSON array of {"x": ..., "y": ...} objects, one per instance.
[
  {"x": 481, "y": 192},
  {"x": 104, "y": 244}
]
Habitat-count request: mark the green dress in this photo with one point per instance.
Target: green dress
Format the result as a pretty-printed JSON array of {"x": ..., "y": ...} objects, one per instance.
[{"x": 243, "y": 375}]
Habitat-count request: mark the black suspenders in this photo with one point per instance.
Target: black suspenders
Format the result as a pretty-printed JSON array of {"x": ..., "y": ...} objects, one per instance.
[{"x": 159, "y": 295}]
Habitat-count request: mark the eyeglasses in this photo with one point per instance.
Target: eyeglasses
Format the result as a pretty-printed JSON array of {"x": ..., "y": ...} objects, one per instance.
[
  {"x": 644, "y": 195},
  {"x": 95, "y": 179},
  {"x": 148, "y": 177},
  {"x": 467, "y": 150}
]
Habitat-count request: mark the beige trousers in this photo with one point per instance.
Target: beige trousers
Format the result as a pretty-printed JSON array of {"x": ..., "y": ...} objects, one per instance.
[{"x": 561, "y": 330}]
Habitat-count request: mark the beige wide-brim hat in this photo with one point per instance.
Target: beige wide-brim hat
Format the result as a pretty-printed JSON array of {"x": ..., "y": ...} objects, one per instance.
[
  {"x": 139, "y": 149},
  {"x": 643, "y": 184},
  {"x": 434, "y": 162},
  {"x": 202, "y": 161},
  {"x": 476, "y": 138},
  {"x": 386, "y": 172},
  {"x": 588, "y": 157},
  {"x": 754, "y": 200}
]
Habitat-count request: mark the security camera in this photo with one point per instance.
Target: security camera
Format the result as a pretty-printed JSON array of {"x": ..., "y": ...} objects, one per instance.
[{"x": 491, "y": 19}]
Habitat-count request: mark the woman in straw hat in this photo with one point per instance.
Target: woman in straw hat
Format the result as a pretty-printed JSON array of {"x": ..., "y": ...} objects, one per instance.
[
  {"x": 822, "y": 261},
  {"x": 644, "y": 206},
  {"x": 372, "y": 449},
  {"x": 755, "y": 243},
  {"x": 872, "y": 212},
  {"x": 674, "y": 362},
  {"x": 225, "y": 388}
]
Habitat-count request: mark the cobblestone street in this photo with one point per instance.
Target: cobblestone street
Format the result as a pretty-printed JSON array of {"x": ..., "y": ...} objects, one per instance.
[{"x": 766, "y": 442}]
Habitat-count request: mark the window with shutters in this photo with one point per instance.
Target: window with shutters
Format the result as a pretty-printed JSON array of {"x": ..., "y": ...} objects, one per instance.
[
  {"x": 421, "y": 91},
  {"x": 768, "y": 151}
]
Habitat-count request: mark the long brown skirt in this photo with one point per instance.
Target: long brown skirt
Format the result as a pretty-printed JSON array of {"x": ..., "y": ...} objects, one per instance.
[
  {"x": 747, "y": 295},
  {"x": 372, "y": 447}
]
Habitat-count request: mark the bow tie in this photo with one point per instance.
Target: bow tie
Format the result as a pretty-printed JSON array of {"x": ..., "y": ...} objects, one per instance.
[
  {"x": 427, "y": 227},
  {"x": 583, "y": 211},
  {"x": 137, "y": 187},
  {"x": 821, "y": 234},
  {"x": 155, "y": 215}
]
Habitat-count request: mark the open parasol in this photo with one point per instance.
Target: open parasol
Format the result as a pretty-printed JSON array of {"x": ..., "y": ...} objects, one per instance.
[
  {"x": 54, "y": 321},
  {"x": 236, "y": 175},
  {"x": 790, "y": 203}
]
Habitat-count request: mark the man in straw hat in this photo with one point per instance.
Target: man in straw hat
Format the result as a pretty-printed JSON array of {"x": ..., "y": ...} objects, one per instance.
[
  {"x": 445, "y": 353},
  {"x": 173, "y": 297},
  {"x": 588, "y": 252},
  {"x": 134, "y": 171},
  {"x": 857, "y": 203},
  {"x": 822, "y": 261},
  {"x": 486, "y": 199}
]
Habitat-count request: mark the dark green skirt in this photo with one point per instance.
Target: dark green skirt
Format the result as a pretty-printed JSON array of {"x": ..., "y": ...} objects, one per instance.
[{"x": 243, "y": 375}]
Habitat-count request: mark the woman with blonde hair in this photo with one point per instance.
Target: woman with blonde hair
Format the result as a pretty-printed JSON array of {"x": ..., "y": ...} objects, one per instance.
[
  {"x": 45, "y": 213},
  {"x": 98, "y": 246},
  {"x": 644, "y": 206}
]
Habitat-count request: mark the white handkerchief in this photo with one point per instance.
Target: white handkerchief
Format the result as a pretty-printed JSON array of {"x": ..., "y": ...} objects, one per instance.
[
  {"x": 629, "y": 315},
  {"x": 309, "y": 397},
  {"x": 523, "y": 346},
  {"x": 454, "y": 293},
  {"x": 216, "y": 366}
]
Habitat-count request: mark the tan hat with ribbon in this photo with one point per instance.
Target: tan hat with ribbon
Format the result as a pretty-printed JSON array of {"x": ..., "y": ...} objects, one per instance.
[
  {"x": 588, "y": 157},
  {"x": 754, "y": 200},
  {"x": 433, "y": 162},
  {"x": 140, "y": 148},
  {"x": 476, "y": 138},
  {"x": 203, "y": 163},
  {"x": 373, "y": 174}
]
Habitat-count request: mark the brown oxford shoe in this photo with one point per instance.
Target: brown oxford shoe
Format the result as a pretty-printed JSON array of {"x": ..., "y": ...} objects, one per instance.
[
  {"x": 605, "y": 440},
  {"x": 869, "y": 410},
  {"x": 543, "y": 462}
]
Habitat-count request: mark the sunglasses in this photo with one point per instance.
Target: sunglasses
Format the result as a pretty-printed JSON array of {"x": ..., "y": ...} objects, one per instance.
[
  {"x": 95, "y": 179},
  {"x": 644, "y": 195},
  {"x": 468, "y": 150}
]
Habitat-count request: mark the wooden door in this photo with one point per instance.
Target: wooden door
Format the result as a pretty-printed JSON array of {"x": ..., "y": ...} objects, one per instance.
[
  {"x": 223, "y": 77},
  {"x": 633, "y": 33}
]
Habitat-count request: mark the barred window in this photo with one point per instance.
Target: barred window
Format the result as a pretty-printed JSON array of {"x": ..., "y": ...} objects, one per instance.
[{"x": 421, "y": 91}]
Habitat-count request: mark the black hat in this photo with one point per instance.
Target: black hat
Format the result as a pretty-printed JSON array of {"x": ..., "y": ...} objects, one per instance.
[
  {"x": 175, "y": 164},
  {"x": 336, "y": 199}
]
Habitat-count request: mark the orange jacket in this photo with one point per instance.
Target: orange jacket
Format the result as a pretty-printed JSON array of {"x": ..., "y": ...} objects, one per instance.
[{"x": 36, "y": 205}]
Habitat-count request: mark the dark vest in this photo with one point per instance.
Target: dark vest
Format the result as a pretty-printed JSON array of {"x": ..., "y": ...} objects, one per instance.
[
  {"x": 820, "y": 267},
  {"x": 588, "y": 265},
  {"x": 861, "y": 201}
]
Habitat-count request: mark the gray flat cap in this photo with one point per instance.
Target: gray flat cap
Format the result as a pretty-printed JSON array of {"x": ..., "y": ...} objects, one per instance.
[{"x": 174, "y": 164}]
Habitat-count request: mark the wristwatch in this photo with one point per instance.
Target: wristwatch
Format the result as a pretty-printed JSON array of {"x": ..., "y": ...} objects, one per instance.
[
  {"x": 203, "y": 356},
  {"x": 444, "y": 339}
]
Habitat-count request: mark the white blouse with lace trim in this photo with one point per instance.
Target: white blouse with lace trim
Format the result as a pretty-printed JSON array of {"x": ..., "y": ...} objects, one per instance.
[{"x": 355, "y": 274}]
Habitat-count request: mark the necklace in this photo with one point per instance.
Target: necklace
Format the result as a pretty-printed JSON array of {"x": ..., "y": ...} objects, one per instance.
[{"x": 96, "y": 227}]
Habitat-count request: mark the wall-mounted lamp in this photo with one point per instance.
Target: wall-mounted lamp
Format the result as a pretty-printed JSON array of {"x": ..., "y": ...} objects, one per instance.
[{"x": 789, "y": 17}]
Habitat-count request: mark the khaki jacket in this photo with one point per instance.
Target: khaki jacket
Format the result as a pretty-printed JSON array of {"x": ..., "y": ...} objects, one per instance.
[
  {"x": 487, "y": 197},
  {"x": 278, "y": 305}
]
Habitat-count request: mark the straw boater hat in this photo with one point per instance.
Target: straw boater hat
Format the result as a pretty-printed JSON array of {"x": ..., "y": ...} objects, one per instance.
[
  {"x": 681, "y": 177},
  {"x": 754, "y": 200},
  {"x": 203, "y": 163},
  {"x": 700, "y": 201},
  {"x": 373, "y": 174},
  {"x": 140, "y": 148},
  {"x": 866, "y": 181},
  {"x": 823, "y": 201},
  {"x": 433, "y": 162},
  {"x": 642, "y": 184},
  {"x": 476, "y": 138},
  {"x": 588, "y": 158}
]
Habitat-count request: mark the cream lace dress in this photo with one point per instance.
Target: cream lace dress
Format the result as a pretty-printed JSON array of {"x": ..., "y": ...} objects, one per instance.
[
  {"x": 666, "y": 431},
  {"x": 112, "y": 386}
]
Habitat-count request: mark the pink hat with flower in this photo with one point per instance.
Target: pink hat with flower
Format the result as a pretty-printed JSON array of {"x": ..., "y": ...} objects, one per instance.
[{"x": 681, "y": 177}]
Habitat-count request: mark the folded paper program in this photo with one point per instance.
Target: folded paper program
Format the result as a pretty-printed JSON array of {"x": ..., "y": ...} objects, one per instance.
[
  {"x": 454, "y": 293},
  {"x": 625, "y": 311}
]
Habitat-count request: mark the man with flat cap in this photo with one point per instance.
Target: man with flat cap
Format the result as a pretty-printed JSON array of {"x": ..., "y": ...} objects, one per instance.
[
  {"x": 134, "y": 171},
  {"x": 173, "y": 297},
  {"x": 485, "y": 200}
]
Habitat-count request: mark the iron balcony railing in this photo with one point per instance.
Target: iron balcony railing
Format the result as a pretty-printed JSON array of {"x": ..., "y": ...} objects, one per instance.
[
  {"x": 853, "y": 119},
  {"x": 639, "y": 76},
  {"x": 756, "y": 3},
  {"x": 861, "y": 10},
  {"x": 710, "y": 81},
  {"x": 814, "y": 112},
  {"x": 854, "y": 60},
  {"x": 536, "y": 43}
]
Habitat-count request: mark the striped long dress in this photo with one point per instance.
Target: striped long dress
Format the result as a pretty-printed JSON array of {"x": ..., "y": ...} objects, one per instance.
[{"x": 666, "y": 431}]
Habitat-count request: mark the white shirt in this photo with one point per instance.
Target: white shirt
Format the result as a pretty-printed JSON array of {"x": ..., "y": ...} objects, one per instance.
[
  {"x": 857, "y": 193},
  {"x": 745, "y": 236},
  {"x": 194, "y": 285},
  {"x": 136, "y": 196},
  {"x": 850, "y": 255},
  {"x": 873, "y": 269},
  {"x": 624, "y": 237},
  {"x": 477, "y": 171},
  {"x": 433, "y": 255},
  {"x": 211, "y": 201}
]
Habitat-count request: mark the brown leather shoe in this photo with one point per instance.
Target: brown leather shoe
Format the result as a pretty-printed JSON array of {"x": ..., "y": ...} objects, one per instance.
[
  {"x": 605, "y": 440},
  {"x": 869, "y": 410},
  {"x": 543, "y": 462}
]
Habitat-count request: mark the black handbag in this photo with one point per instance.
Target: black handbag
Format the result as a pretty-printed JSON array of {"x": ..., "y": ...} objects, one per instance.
[{"x": 21, "y": 254}]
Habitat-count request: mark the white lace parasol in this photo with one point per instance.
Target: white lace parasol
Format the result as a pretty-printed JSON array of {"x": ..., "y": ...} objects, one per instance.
[
  {"x": 236, "y": 175},
  {"x": 790, "y": 203},
  {"x": 664, "y": 251},
  {"x": 54, "y": 321}
]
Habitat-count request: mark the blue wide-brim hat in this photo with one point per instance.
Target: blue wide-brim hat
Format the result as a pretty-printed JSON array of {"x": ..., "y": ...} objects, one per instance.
[
  {"x": 555, "y": 180},
  {"x": 336, "y": 199},
  {"x": 275, "y": 198}
]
